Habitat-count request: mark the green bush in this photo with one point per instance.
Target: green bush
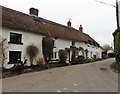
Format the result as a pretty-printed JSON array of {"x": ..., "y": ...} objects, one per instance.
[
  {"x": 79, "y": 60},
  {"x": 54, "y": 65},
  {"x": 111, "y": 55},
  {"x": 116, "y": 35},
  {"x": 87, "y": 60},
  {"x": 47, "y": 46},
  {"x": 62, "y": 56}
]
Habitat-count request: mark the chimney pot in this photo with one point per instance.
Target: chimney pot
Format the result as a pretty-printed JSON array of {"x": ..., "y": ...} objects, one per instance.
[
  {"x": 69, "y": 23},
  {"x": 81, "y": 28},
  {"x": 33, "y": 11}
]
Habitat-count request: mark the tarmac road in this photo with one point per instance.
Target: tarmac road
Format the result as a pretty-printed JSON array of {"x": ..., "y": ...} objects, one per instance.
[{"x": 92, "y": 77}]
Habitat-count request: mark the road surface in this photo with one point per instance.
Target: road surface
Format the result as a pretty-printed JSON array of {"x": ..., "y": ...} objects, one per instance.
[{"x": 92, "y": 77}]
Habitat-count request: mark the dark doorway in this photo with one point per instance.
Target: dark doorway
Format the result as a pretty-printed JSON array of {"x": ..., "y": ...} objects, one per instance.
[{"x": 14, "y": 57}]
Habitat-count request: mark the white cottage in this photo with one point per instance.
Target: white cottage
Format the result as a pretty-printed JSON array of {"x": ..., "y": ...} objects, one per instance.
[{"x": 22, "y": 30}]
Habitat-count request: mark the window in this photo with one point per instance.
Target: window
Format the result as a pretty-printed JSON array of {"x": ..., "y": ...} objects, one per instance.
[
  {"x": 73, "y": 43},
  {"x": 89, "y": 42},
  {"x": 14, "y": 57},
  {"x": 85, "y": 42},
  {"x": 91, "y": 54},
  {"x": 88, "y": 45},
  {"x": 15, "y": 38},
  {"x": 54, "y": 55},
  {"x": 56, "y": 37}
]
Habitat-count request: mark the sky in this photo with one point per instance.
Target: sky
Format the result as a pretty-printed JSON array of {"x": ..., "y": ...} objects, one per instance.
[{"x": 98, "y": 20}]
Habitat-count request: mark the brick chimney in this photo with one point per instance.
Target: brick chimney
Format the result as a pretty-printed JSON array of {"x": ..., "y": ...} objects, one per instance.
[
  {"x": 81, "y": 28},
  {"x": 69, "y": 23},
  {"x": 33, "y": 11}
]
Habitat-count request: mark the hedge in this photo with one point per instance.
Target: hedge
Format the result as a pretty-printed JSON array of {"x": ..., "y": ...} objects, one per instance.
[{"x": 116, "y": 35}]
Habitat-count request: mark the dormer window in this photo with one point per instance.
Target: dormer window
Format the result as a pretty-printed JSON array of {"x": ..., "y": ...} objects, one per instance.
[
  {"x": 89, "y": 42},
  {"x": 15, "y": 38},
  {"x": 85, "y": 42}
]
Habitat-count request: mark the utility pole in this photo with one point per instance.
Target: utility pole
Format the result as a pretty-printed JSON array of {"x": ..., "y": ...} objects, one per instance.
[
  {"x": 117, "y": 10},
  {"x": 117, "y": 14}
]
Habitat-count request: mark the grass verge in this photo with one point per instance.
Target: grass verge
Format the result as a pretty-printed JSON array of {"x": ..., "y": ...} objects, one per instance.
[{"x": 116, "y": 66}]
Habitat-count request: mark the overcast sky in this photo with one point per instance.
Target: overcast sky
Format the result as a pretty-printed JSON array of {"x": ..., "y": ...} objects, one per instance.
[{"x": 98, "y": 20}]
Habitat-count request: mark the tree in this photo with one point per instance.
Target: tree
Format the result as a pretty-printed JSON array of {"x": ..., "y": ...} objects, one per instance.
[
  {"x": 32, "y": 51},
  {"x": 47, "y": 45},
  {"x": 3, "y": 48}
]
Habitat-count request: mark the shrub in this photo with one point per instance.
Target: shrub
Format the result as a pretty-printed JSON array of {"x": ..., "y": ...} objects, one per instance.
[
  {"x": 79, "y": 60},
  {"x": 62, "y": 56},
  {"x": 47, "y": 45},
  {"x": 116, "y": 35},
  {"x": 40, "y": 61},
  {"x": 111, "y": 55},
  {"x": 32, "y": 51},
  {"x": 87, "y": 60},
  {"x": 54, "y": 65},
  {"x": 19, "y": 67}
]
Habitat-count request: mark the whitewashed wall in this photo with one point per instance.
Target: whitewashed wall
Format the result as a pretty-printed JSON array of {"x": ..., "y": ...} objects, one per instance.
[
  {"x": 91, "y": 49},
  {"x": 27, "y": 39},
  {"x": 61, "y": 44}
]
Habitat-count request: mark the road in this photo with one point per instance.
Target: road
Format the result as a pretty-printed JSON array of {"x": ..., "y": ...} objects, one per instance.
[{"x": 77, "y": 78}]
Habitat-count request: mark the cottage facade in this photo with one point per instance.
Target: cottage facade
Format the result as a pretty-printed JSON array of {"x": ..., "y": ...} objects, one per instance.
[
  {"x": 16, "y": 50},
  {"x": 22, "y": 30}
]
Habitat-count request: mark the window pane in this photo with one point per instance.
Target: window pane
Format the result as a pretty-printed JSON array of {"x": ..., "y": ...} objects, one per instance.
[
  {"x": 15, "y": 38},
  {"x": 14, "y": 57}
]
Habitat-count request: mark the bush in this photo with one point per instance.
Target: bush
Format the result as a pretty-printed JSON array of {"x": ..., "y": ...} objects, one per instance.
[
  {"x": 40, "y": 61},
  {"x": 79, "y": 60},
  {"x": 87, "y": 60},
  {"x": 116, "y": 35},
  {"x": 58, "y": 65},
  {"x": 62, "y": 56},
  {"x": 111, "y": 55},
  {"x": 32, "y": 51},
  {"x": 17, "y": 68},
  {"x": 47, "y": 46}
]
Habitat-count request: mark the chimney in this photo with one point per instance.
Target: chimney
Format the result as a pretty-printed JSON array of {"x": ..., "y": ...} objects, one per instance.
[
  {"x": 81, "y": 28},
  {"x": 33, "y": 11},
  {"x": 69, "y": 23}
]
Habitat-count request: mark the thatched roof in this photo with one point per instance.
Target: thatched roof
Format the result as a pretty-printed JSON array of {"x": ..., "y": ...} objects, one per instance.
[{"x": 20, "y": 21}]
